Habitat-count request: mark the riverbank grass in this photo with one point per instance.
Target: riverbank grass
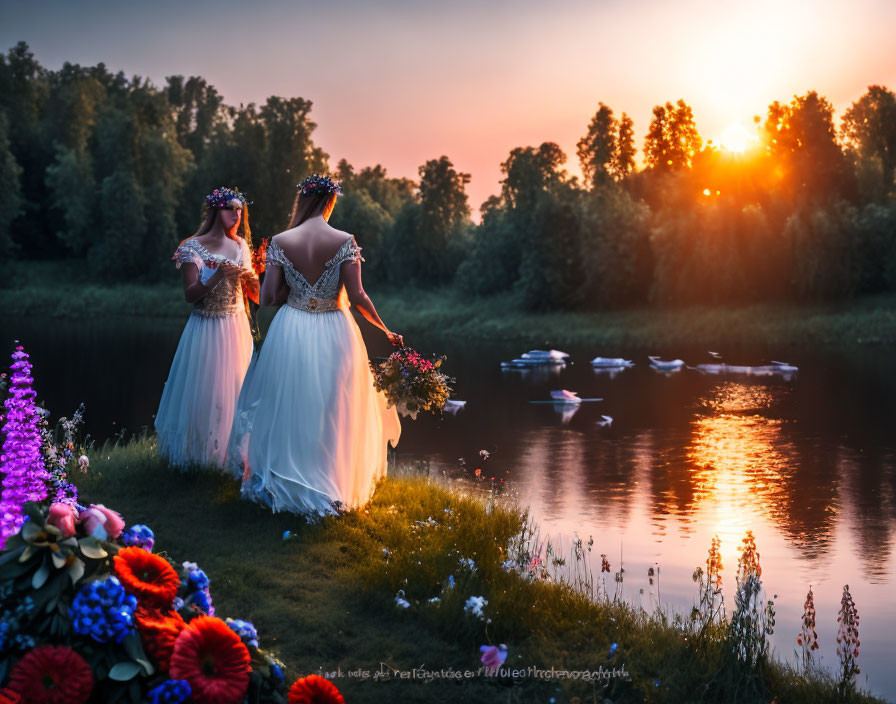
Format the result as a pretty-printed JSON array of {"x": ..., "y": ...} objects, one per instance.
[
  {"x": 62, "y": 289},
  {"x": 325, "y": 599}
]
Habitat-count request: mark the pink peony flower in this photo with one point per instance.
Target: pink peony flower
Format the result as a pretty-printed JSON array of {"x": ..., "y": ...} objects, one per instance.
[
  {"x": 63, "y": 517},
  {"x": 493, "y": 656},
  {"x": 101, "y": 522}
]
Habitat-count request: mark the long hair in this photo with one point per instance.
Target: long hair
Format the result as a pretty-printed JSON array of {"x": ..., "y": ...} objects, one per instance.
[
  {"x": 209, "y": 219},
  {"x": 309, "y": 206}
]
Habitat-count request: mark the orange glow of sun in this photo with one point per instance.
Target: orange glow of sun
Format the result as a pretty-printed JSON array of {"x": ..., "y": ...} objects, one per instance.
[{"x": 737, "y": 139}]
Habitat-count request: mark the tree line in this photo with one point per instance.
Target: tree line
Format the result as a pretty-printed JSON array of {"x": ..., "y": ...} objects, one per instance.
[{"x": 112, "y": 170}]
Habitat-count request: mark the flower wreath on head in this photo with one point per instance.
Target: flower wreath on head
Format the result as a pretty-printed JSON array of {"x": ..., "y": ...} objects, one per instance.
[
  {"x": 316, "y": 184},
  {"x": 222, "y": 197}
]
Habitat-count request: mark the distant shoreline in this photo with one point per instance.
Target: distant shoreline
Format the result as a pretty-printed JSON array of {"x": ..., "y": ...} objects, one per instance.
[{"x": 448, "y": 313}]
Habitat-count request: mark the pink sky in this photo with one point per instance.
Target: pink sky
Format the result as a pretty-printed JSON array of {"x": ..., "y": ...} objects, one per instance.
[{"x": 398, "y": 83}]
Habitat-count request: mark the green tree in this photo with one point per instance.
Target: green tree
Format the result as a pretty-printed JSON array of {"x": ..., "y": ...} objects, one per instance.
[
  {"x": 444, "y": 218},
  {"x": 598, "y": 148},
  {"x": 869, "y": 131},
  {"x": 801, "y": 139},
  {"x": 624, "y": 158},
  {"x": 10, "y": 190},
  {"x": 357, "y": 213},
  {"x": 672, "y": 139},
  {"x": 73, "y": 193}
]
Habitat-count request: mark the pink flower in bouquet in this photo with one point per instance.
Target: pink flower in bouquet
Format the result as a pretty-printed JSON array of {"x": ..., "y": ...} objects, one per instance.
[
  {"x": 493, "y": 656},
  {"x": 63, "y": 517},
  {"x": 101, "y": 522}
]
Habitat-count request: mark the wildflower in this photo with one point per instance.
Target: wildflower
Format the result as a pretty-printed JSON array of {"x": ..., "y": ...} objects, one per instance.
[
  {"x": 434, "y": 600},
  {"x": 148, "y": 577},
  {"x": 508, "y": 565},
  {"x": 314, "y": 689},
  {"x": 474, "y": 605},
  {"x": 245, "y": 630},
  {"x": 139, "y": 536},
  {"x": 51, "y": 673},
  {"x": 103, "y": 611},
  {"x": 493, "y": 656},
  {"x": 158, "y": 632},
  {"x": 83, "y": 462},
  {"x": 287, "y": 534},
  {"x": 24, "y": 475},
  {"x": 604, "y": 564},
  {"x": 808, "y": 638},
  {"x": 848, "y": 639},
  {"x": 170, "y": 692},
  {"x": 613, "y": 648},
  {"x": 484, "y": 454},
  {"x": 63, "y": 517},
  {"x": 468, "y": 563},
  {"x": 450, "y": 581},
  {"x": 213, "y": 660},
  {"x": 101, "y": 522},
  {"x": 400, "y": 601}
]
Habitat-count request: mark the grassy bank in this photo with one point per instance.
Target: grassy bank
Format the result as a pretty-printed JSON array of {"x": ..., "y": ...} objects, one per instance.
[
  {"x": 62, "y": 290},
  {"x": 326, "y": 597}
]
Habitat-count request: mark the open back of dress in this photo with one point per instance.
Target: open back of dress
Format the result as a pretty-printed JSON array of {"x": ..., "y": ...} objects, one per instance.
[{"x": 310, "y": 430}]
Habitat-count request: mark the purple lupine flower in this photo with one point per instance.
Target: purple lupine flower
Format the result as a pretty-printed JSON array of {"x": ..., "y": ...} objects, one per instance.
[{"x": 24, "y": 475}]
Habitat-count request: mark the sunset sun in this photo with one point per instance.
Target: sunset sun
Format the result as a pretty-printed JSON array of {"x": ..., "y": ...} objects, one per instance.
[{"x": 736, "y": 139}]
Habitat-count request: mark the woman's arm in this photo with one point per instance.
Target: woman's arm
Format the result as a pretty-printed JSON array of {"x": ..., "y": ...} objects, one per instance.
[
  {"x": 194, "y": 289},
  {"x": 274, "y": 290},
  {"x": 351, "y": 278}
]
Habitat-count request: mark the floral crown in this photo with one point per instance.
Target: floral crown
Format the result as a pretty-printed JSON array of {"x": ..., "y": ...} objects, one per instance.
[
  {"x": 221, "y": 197},
  {"x": 316, "y": 184}
]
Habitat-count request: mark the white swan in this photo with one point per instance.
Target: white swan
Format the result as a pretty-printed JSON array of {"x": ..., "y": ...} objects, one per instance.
[
  {"x": 665, "y": 365},
  {"x": 611, "y": 362}
]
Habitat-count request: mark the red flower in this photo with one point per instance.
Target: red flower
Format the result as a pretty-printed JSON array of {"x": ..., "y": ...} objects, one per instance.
[
  {"x": 7, "y": 696},
  {"x": 213, "y": 659},
  {"x": 159, "y": 632},
  {"x": 52, "y": 674},
  {"x": 258, "y": 256},
  {"x": 314, "y": 690},
  {"x": 148, "y": 577}
]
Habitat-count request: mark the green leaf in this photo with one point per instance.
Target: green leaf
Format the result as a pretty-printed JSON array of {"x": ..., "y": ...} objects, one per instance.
[
  {"x": 76, "y": 571},
  {"x": 124, "y": 671},
  {"x": 11, "y": 554},
  {"x": 91, "y": 548},
  {"x": 30, "y": 530},
  {"x": 134, "y": 648},
  {"x": 40, "y": 577}
]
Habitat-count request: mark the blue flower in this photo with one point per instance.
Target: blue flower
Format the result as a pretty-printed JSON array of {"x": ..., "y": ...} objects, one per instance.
[
  {"x": 140, "y": 536},
  {"x": 276, "y": 672},
  {"x": 170, "y": 692},
  {"x": 245, "y": 630},
  {"x": 103, "y": 611},
  {"x": 198, "y": 579},
  {"x": 201, "y": 600}
]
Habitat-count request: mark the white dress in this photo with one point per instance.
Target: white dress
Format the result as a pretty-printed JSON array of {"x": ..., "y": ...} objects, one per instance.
[
  {"x": 310, "y": 430},
  {"x": 196, "y": 411}
]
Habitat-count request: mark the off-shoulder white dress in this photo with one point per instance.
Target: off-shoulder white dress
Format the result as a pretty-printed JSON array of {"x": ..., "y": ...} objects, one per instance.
[
  {"x": 310, "y": 430},
  {"x": 196, "y": 411}
]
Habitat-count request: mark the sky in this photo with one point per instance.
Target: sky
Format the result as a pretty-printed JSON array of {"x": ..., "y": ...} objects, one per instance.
[{"x": 397, "y": 82}]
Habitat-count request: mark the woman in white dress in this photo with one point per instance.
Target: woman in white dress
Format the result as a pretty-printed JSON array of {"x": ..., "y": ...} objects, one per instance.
[
  {"x": 196, "y": 411},
  {"x": 310, "y": 430}
]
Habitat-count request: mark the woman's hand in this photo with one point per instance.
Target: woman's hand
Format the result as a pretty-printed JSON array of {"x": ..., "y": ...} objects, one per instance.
[
  {"x": 395, "y": 339},
  {"x": 222, "y": 272}
]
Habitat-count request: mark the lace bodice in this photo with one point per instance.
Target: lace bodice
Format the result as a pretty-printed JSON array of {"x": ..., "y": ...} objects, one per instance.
[
  {"x": 226, "y": 298},
  {"x": 325, "y": 294}
]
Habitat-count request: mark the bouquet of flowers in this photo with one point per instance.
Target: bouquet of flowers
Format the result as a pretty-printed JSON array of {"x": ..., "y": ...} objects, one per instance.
[
  {"x": 258, "y": 256},
  {"x": 410, "y": 382}
]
